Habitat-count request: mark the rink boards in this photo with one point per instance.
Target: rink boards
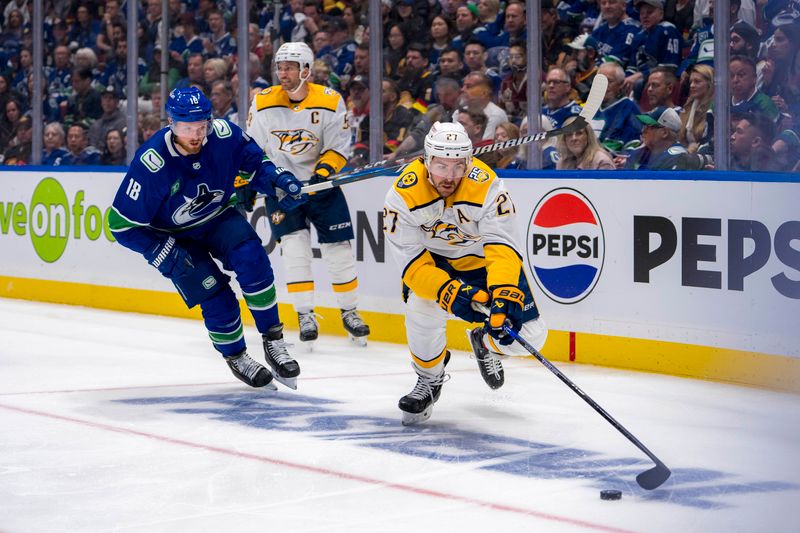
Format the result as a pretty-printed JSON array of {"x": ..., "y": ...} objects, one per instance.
[{"x": 656, "y": 272}]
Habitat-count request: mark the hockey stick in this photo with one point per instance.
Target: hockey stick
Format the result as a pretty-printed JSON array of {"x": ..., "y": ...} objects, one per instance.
[
  {"x": 383, "y": 168},
  {"x": 649, "y": 479}
]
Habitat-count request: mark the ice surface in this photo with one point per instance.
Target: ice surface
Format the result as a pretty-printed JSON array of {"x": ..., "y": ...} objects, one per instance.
[{"x": 125, "y": 422}]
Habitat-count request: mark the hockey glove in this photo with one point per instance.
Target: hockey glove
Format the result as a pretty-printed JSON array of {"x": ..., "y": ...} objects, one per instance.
[
  {"x": 170, "y": 258},
  {"x": 316, "y": 178},
  {"x": 507, "y": 301},
  {"x": 457, "y": 298},
  {"x": 286, "y": 181}
]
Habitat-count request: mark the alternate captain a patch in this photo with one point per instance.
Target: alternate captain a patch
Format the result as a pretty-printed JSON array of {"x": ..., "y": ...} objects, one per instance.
[{"x": 296, "y": 142}]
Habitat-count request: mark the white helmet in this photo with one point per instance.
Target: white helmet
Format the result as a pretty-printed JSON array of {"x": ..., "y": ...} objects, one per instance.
[
  {"x": 299, "y": 53},
  {"x": 450, "y": 140}
]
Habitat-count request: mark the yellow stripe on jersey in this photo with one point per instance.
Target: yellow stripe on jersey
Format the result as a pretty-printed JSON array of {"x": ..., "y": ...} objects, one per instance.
[
  {"x": 503, "y": 264},
  {"x": 474, "y": 186},
  {"x": 423, "y": 277},
  {"x": 413, "y": 186},
  {"x": 319, "y": 97}
]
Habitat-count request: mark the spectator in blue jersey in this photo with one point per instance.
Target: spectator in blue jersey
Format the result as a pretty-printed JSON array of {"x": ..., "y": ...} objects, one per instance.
[
  {"x": 658, "y": 44},
  {"x": 466, "y": 21},
  {"x": 559, "y": 105},
  {"x": 615, "y": 123},
  {"x": 616, "y": 34},
  {"x": 491, "y": 17},
  {"x": 342, "y": 49},
  {"x": 80, "y": 151},
  {"x": 660, "y": 148},
  {"x": 702, "y": 49},
  {"x": 288, "y": 18},
  {"x": 86, "y": 28},
  {"x": 218, "y": 42},
  {"x": 58, "y": 80},
  {"x": 175, "y": 208},
  {"x": 513, "y": 27},
  {"x": 53, "y": 151},
  {"x": 188, "y": 42},
  {"x": 787, "y": 151},
  {"x": 745, "y": 97}
]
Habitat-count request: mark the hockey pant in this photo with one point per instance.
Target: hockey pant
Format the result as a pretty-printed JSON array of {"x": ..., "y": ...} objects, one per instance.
[
  {"x": 338, "y": 257},
  {"x": 230, "y": 239},
  {"x": 426, "y": 324}
]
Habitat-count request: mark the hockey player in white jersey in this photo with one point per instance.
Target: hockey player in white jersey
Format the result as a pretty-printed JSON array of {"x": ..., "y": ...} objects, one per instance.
[
  {"x": 303, "y": 127},
  {"x": 449, "y": 222}
]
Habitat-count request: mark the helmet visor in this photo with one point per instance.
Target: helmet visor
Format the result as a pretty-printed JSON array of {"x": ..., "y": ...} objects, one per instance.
[{"x": 192, "y": 130}]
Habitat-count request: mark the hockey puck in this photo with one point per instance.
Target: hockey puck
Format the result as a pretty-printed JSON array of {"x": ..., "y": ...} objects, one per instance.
[{"x": 610, "y": 494}]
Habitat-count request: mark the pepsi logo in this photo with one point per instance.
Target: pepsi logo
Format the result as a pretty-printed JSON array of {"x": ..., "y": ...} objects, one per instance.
[{"x": 565, "y": 245}]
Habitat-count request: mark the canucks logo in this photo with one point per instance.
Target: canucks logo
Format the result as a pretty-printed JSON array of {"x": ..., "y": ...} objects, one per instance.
[
  {"x": 296, "y": 142},
  {"x": 205, "y": 203},
  {"x": 565, "y": 245},
  {"x": 450, "y": 233}
]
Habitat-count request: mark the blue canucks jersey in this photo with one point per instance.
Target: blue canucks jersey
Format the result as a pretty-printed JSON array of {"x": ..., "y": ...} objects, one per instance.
[
  {"x": 616, "y": 125},
  {"x": 659, "y": 47},
  {"x": 676, "y": 157},
  {"x": 558, "y": 116},
  {"x": 616, "y": 44},
  {"x": 169, "y": 192}
]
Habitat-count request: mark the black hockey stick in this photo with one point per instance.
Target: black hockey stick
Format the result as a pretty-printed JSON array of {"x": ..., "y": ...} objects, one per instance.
[
  {"x": 383, "y": 168},
  {"x": 649, "y": 479}
]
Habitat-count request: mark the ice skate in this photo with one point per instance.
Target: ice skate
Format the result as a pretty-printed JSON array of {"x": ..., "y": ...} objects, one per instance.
[
  {"x": 285, "y": 368},
  {"x": 357, "y": 330},
  {"x": 250, "y": 371},
  {"x": 417, "y": 405},
  {"x": 489, "y": 364},
  {"x": 309, "y": 329}
]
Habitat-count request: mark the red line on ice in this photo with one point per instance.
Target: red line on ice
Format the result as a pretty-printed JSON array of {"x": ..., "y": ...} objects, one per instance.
[{"x": 318, "y": 470}]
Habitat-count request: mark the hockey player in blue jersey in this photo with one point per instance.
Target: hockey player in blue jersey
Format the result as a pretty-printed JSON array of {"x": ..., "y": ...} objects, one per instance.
[{"x": 175, "y": 206}]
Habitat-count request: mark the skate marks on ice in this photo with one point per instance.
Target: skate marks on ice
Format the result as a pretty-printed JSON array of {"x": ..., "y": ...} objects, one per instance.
[{"x": 438, "y": 441}]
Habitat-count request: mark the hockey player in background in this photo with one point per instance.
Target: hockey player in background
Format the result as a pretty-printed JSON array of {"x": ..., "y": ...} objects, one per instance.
[
  {"x": 303, "y": 127},
  {"x": 175, "y": 207},
  {"x": 450, "y": 224}
]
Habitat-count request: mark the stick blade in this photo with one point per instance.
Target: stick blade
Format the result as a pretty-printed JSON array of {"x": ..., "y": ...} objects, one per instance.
[
  {"x": 595, "y": 98},
  {"x": 653, "y": 478}
]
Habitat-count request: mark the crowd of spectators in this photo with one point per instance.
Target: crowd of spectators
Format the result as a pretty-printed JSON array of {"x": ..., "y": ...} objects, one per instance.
[{"x": 442, "y": 60}]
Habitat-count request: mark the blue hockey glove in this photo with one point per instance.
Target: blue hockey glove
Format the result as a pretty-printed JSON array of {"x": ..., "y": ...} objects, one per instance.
[
  {"x": 456, "y": 297},
  {"x": 286, "y": 181},
  {"x": 507, "y": 302},
  {"x": 170, "y": 258}
]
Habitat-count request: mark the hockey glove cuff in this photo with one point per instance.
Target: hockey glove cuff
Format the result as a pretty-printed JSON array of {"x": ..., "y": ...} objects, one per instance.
[
  {"x": 457, "y": 298},
  {"x": 507, "y": 303},
  {"x": 170, "y": 258},
  {"x": 286, "y": 181}
]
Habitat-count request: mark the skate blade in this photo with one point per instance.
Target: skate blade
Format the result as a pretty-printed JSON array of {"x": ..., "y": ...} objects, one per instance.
[
  {"x": 288, "y": 382},
  {"x": 270, "y": 386},
  {"x": 361, "y": 342},
  {"x": 308, "y": 345},
  {"x": 410, "y": 419}
]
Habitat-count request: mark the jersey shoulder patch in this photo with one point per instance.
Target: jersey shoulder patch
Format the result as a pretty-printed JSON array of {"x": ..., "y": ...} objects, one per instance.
[
  {"x": 413, "y": 186},
  {"x": 322, "y": 97},
  {"x": 271, "y": 97},
  {"x": 475, "y": 185}
]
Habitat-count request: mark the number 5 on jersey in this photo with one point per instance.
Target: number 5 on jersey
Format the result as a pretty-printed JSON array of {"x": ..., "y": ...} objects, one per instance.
[{"x": 133, "y": 189}]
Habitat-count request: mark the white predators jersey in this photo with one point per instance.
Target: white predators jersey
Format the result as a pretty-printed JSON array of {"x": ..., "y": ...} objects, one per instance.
[
  {"x": 472, "y": 228},
  {"x": 304, "y": 137}
]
